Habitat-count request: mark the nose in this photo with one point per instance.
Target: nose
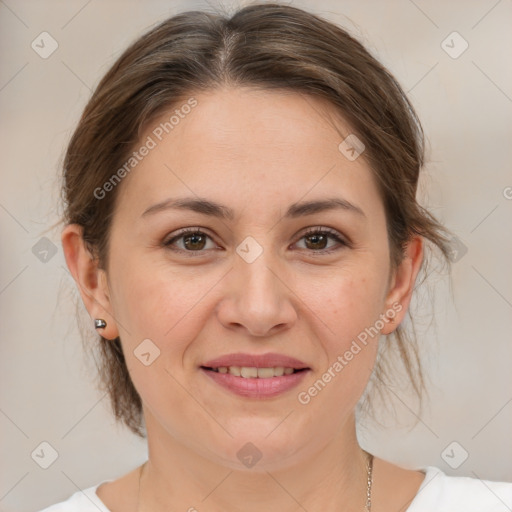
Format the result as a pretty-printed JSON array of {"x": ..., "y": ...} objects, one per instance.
[{"x": 258, "y": 298}]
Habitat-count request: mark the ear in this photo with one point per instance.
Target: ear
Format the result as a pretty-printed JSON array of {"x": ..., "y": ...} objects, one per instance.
[
  {"x": 91, "y": 281},
  {"x": 402, "y": 283}
]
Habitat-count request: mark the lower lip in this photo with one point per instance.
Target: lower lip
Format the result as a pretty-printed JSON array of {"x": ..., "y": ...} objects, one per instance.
[{"x": 255, "y": 387}]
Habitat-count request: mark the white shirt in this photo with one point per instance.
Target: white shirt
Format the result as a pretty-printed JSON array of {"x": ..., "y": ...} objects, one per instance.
[{"x": 437, "y": 493}]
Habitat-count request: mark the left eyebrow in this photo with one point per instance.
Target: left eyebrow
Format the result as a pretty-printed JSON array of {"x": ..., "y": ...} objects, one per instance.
[
  {"x": 311, "y": 207},
  {"x": 207, "y": 207}
]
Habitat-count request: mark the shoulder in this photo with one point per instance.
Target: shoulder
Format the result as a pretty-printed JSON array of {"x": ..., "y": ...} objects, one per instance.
[
  {"x": 444, "y": 493},
  {"x": 81, "y": 501}
]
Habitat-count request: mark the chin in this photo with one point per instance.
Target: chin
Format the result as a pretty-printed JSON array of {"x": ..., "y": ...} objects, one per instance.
[{"x": 262, "y": 449}]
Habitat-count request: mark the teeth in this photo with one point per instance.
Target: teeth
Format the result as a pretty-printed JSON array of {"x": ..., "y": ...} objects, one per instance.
[
  {"x": 249, "y": 372},
  {"x": 234, "y": 370},
  {"x": 265, "y": 373}
]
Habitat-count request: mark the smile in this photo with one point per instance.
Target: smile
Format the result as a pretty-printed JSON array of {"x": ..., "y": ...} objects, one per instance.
[
  {"x": 255, "y": 383},
  {"x": 251, "y": 372}
]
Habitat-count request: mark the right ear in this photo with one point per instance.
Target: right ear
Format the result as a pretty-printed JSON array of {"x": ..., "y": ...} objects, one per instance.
[{"x": 91, "y": 280}]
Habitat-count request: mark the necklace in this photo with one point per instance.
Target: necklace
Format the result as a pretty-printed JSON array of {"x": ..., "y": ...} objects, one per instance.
[
  {"x": 369, "y": 480},
  {"x": 369, "y": 475}
]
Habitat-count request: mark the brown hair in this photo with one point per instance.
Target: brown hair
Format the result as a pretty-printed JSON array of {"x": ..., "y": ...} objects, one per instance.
[{"x": 270, "y": 46}]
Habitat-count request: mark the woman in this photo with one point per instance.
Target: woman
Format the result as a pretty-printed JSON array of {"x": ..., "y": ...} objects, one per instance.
[{"x": 242, "y": 224}]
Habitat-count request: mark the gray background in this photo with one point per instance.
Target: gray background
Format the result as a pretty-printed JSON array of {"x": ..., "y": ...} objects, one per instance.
[{"x": 48, "y": 385}]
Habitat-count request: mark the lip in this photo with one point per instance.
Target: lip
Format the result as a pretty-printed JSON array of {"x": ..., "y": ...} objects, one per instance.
[
  {"x": 268, "y": 360},
  {"x": 256, "y": 388}
]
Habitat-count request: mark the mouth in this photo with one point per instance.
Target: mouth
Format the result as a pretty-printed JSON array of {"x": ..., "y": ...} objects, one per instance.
[
  {"x": 256, "y": 376},
  {"x": 252, "y": 372}
]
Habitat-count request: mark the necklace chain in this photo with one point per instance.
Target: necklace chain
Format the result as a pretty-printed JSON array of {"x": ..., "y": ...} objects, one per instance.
[{"x": 369, "y": 476}]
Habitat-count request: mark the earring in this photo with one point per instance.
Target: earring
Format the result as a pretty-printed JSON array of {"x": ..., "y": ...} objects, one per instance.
[{"x": 99, "y": 323}]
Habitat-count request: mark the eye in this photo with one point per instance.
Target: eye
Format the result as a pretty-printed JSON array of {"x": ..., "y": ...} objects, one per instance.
[
  {"x": 317, "y": 240},
  {"x": 190, "y": 240},
  {"x": 193, "y": 240}
]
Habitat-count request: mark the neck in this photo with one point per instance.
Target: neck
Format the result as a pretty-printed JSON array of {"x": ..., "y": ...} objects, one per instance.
[{"x": 178, "y": 476}]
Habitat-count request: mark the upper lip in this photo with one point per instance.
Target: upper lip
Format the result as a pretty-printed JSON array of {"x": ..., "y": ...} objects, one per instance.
[{"x": 269, "y": 360}]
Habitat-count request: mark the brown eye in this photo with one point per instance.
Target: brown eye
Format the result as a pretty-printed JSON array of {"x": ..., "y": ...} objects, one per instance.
[
  {"x": 317, "y": 240},
  {"x": 195, "y": 241},
  {"x": 191, "y": 240}
]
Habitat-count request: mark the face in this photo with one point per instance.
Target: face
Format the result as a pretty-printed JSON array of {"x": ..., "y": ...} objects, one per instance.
[{"x": 258, "y": 273}]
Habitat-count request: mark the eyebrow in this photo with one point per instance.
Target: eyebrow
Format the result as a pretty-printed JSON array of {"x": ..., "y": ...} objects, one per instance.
[{"x": 208, "y": 207}]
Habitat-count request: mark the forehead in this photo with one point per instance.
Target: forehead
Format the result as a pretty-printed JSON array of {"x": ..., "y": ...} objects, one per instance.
[
  {"x": 239, "y": 143},
  {"x": 262, "y": 123}
]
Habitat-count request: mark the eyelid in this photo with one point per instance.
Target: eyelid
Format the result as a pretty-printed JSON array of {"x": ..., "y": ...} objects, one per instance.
[
  {"x": 324, "y": 229},
  {"x": 341, "y": 239},
  {"x": 186, "y": 231}
]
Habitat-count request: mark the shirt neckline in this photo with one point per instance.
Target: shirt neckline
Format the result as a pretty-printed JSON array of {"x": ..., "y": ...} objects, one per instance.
[{"x": 430, "y": 472}]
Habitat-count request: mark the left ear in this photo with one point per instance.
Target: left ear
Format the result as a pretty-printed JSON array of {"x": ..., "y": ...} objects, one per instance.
[{"x": 402, "y": 283}]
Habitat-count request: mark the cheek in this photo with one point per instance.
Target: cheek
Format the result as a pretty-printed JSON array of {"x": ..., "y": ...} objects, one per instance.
[
  {"x": 347, "y": 300},
  {"x": 348, "y": 306},
  {"x": 159, "y": 306},
  {"x": 163, "y": 308},
  {"x": 348, "y": 311},
  {"x": 168, "y": 306}
]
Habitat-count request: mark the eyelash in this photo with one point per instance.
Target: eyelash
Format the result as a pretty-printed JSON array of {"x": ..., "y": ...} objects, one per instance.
[{"x": 311, "y": 231}]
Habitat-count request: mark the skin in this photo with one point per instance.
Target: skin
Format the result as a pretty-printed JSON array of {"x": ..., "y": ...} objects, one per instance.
[{"x": 256, "y": 152}]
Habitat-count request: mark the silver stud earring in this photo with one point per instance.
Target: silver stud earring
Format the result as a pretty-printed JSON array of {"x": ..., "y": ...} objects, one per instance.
[{"x": 99, "y": 323}]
